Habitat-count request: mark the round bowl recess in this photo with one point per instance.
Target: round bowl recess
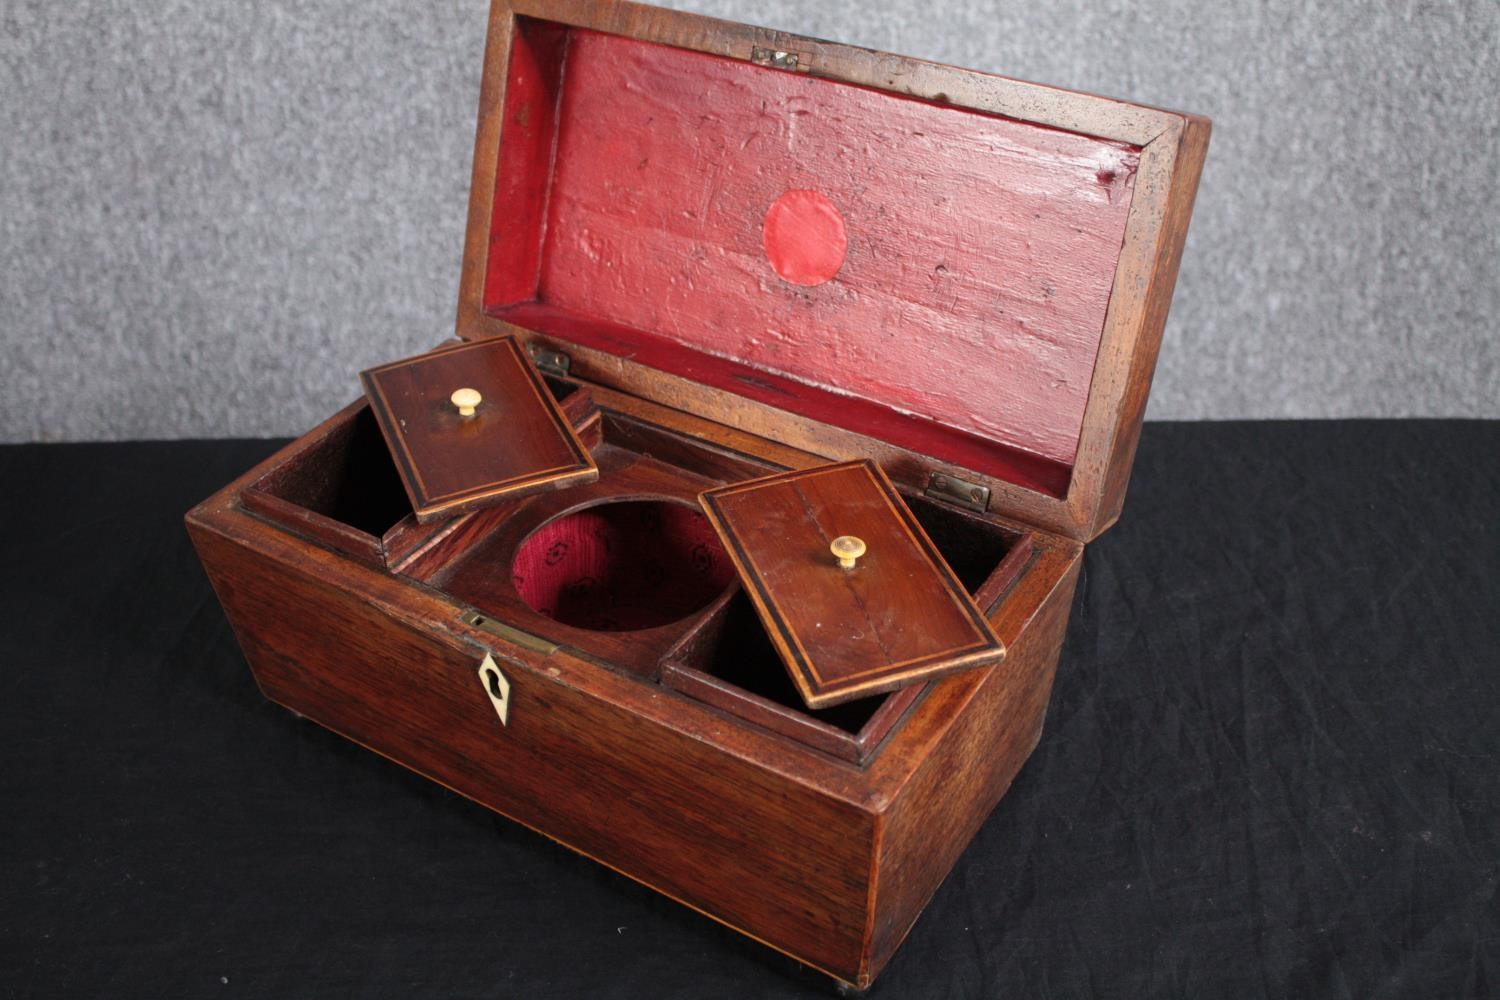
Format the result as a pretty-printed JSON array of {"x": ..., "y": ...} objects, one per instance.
[{"x": 622, "y": 565}]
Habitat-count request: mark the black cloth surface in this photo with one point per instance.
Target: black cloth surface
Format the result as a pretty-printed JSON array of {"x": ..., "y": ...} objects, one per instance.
[{"x": 1271, "y": 766}]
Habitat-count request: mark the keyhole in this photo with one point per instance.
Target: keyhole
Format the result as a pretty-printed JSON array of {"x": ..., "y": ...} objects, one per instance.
[{"x": 496, "y": 686}]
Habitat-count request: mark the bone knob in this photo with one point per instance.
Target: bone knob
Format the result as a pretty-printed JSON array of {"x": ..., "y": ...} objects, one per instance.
[
  {"x": 466, "y": 400},
  {"x": 847, "y": 548}
]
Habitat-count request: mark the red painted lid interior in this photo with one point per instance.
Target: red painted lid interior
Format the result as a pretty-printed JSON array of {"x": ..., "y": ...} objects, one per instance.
[{"x": 928, "y": 275}]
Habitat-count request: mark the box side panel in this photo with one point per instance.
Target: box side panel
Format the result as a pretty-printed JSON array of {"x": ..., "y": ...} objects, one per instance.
[
  {"x": 1124, "y": 373},
  {"x": 941, "y": 808},
  {"x": 524, "y": 174},
  {"x": 672, "y": 811}
]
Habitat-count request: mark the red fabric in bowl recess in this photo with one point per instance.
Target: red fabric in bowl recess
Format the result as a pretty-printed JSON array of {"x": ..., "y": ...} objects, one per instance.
[{"x": 622, "y": 566}]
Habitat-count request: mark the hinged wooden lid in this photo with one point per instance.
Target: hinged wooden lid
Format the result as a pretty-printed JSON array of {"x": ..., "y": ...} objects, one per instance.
[
  {"x": 850, "y": 589},
  {"x": 472, "y": 424},
  {"x": 857, "y": 254}
]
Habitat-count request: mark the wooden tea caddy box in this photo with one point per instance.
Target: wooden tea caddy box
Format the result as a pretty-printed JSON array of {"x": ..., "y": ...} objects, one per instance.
[{"x": 732, "y": 253}]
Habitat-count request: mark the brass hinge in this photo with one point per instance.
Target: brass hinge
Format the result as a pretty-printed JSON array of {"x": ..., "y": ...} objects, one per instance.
[
  {"x": 958, "y": 492},
  {"x": 551, "y": 362},
  {"x": 792, "y": 62}
]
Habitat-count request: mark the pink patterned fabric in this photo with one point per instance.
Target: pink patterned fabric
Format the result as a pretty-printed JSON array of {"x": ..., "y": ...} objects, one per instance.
[{"x": 619, "y": 567}]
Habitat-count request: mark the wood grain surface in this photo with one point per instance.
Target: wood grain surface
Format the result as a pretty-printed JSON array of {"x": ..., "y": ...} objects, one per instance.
[
  {"x": 898, "y": 617},
  {"x": 640, "y": 775},
  {"x": 517, "y": 442}
]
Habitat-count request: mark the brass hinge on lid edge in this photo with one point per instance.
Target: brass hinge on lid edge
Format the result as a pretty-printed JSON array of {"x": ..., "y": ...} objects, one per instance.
[
  {"x": 550, "y": 362},
  {"x": 958, "y": 492},
  {"x": 792, "y": 62}
]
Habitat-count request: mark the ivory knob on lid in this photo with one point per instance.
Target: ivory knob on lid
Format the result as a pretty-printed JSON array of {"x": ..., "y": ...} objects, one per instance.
[
  {"x": 847, "y": 548},
  {"x": 466, "y": 400}
]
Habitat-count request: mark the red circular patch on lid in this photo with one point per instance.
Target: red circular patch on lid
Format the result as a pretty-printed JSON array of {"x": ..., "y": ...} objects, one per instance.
[{"x": 805, "y": 238}]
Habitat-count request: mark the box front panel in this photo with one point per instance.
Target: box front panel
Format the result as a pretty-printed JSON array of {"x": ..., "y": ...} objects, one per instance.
[{"x": 676, "y": 813}]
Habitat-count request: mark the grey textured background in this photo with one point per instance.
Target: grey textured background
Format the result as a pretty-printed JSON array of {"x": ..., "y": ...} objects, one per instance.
[{"x": 213, "y": 214}]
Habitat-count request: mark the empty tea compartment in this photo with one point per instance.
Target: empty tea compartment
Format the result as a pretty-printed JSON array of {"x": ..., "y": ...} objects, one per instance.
[
  {"x": 339, "y": 486},
  {"x": 728, "y": 660}
]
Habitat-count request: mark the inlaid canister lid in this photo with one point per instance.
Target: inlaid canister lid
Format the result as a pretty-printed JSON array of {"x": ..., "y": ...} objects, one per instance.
[
  {"x": 473, "y": 424},
  {"x": 852, "y": 592}
]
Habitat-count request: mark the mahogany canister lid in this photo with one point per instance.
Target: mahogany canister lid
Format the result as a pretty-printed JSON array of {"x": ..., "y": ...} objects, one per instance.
[
  {"x": 473, "y": 424},
  {"x": 896, "y": 616}
]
